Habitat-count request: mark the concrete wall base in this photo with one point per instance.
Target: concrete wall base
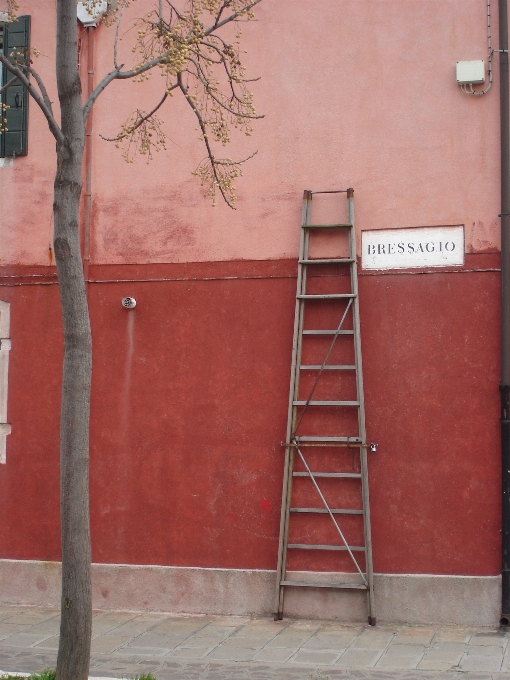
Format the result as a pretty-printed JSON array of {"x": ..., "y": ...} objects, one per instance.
[{"x": 400, "y": 598}]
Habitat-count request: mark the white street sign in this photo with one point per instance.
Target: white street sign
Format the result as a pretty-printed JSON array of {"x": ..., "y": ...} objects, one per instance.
[{"x": 413, "y": 247}]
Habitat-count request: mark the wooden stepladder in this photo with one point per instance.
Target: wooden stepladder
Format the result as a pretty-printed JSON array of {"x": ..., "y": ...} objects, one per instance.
[{"x": 325, "y": 517}]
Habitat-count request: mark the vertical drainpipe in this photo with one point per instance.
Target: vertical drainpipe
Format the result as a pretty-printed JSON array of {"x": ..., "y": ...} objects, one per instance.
[
  {"x": 87, "y": 218},
  {"x": 505, "y": 311}
]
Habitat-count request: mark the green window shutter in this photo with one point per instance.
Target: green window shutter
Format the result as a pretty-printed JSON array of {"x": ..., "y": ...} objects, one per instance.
[{"x": 16, "y": 48}]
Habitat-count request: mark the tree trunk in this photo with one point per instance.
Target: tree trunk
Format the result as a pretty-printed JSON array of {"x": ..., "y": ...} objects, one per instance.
[{"x": 76, "y": 603}]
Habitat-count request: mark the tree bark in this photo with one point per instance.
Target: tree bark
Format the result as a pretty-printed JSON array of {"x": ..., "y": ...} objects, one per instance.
[{"x": 76, "y": 602}]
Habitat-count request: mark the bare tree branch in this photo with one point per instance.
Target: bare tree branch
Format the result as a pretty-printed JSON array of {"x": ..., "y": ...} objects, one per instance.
[
  {"x": 117, "y": 74},
  {"x": 177, "y": 14},
  {"x": 8, "y": 84},
  {"x": 109, "y": 77},
  {"x": 215, "y": 162},
  {"x": 201, "y": 122},
  {"x": 52, "y": 123},
  {"x": 139, "y": 122},
  {"x": 183, "y": 48},
  {"x": 232, "y": 17},
  {"x": 220, "y": 12},
  {"x": 222, "y": 60},
  {"x": 115, "y": 43},
  {"x": 222, "y": 161},
  {"x": 42, "y": 87},
  {"x": 210, "y": 93},
  {"x": 124, "y": 75}
]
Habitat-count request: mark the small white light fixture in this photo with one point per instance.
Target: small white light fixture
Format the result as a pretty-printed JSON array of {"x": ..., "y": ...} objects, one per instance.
[
  {"x": 90, "y": 14},
  {"x": 471, "y": 72},
  {"x": 129, "y": 302}
]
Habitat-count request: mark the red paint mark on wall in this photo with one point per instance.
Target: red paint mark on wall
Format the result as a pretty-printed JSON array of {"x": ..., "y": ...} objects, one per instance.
[{"x": 265, "y": 505}]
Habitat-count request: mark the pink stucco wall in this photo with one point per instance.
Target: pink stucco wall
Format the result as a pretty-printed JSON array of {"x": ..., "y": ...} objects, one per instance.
[{"x": 355, "y": 93}]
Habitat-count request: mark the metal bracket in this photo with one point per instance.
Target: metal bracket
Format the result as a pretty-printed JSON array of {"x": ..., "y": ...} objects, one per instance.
[{"x": 332, "y": 445}]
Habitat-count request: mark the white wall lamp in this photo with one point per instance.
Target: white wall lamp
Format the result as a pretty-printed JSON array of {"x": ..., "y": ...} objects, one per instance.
[{"x": 90, "y": 13}]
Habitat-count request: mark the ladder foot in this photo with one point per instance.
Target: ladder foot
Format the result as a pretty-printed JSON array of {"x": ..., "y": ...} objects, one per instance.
[{"x": 371, "y": 621}]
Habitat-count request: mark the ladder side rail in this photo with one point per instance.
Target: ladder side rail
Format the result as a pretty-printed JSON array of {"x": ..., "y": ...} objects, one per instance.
[
  {"x": 368, "y": 536},
  {"x": 307, "y": 210},
  {"x": 361, "y": 417},
  {"x": 291, "y": 416},
  {"x": 299, "y": 316},
  {"x": 284, "y": 534},
  {"x": 356, "y": 321},
  {"x": 304, "y": 278}
]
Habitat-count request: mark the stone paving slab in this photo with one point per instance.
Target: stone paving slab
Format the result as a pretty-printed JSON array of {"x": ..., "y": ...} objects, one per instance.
[{"x": 175, "y": 647}]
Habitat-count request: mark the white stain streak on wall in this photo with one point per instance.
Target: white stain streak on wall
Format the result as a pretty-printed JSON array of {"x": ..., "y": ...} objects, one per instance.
[{"x": 5, "y": 346}]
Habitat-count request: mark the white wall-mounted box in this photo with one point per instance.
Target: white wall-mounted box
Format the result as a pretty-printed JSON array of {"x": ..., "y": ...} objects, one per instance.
[
  {"x": 471, "y": 72},
  {"x": 91, "y": 14}
]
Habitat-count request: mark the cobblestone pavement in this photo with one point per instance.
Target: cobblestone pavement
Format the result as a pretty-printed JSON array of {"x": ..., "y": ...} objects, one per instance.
[{"x": 174, "y": 647}]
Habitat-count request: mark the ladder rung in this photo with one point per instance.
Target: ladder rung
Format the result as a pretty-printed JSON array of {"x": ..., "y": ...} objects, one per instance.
[
  {"x": 312, "y": 584},
  {"x": 327, "y": 226},
  {"x": 332, "y": 296},
  {"x": 313, "y": 546},
  {"x": 324, "y": 332},
  {"x": 333, "y": 260},
  {"x": 326, "y": 403},
  {"x": 327, "y": 368},
  {"x": 343, "y": 475},
  {"x": 352, "y": 440},
  {"x": 323, "y": 511}
]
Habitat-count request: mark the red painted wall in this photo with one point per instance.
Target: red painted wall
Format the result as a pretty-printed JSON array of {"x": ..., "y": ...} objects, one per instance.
[
  {"x": 431, "y": 368},
  {"x": 189, "y": 408}
]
